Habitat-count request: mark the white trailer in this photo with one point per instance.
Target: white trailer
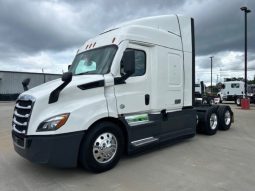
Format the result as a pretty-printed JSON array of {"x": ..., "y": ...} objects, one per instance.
[{"x": 129, "y": 88}]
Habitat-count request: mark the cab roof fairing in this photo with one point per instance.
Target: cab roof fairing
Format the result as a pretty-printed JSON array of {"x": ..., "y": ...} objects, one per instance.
[{"x": 161, "y": 30}]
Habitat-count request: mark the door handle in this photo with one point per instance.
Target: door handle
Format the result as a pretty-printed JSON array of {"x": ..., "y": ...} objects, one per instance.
[{"x": 147, "y": 99}]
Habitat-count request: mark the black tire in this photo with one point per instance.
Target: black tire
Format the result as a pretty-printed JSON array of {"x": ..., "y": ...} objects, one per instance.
[
  {"x": 86, "y": 156},
  {"x": 205, "y": 125},
  {"x": 225, "y": 117},
  {"x": 238, "y": 101}
]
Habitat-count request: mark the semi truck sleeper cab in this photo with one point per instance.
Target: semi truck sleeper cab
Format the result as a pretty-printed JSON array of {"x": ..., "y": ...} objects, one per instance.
[{"x": 129, "y": 88}]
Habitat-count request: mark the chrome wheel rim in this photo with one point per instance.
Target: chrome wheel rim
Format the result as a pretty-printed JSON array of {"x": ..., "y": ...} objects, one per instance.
[
  {"x": 238, "y": 101},
  {"x": 213, "y": 121},
  {"x": 227, "y": 117},
  {"x": 105, "y": 147}
]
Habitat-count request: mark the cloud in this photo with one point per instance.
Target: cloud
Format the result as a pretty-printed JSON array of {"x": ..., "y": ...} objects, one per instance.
[
  {"x": 219, "y": 25},
  {"x": 225, "y": 65},
  {"x": 50, "y": 62},
  {"x": 37, "y": 26},
  {"x": 36, "y": 34}
]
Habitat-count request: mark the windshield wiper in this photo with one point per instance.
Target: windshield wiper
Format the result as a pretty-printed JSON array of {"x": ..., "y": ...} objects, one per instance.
[{"x": 88, "y": 72}]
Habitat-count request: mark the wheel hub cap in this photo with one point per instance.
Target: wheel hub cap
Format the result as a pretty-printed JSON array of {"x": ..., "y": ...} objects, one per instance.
[
  {"x": 213, "y": 121},
  {"x": 105, "y": 147},
  {"x": 227, "y": 117}
]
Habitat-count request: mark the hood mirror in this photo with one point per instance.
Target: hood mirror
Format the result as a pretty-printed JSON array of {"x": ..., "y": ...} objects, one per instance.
[
  {"x": 67, "y": 77},
  {"x": 25, "y": 83}
]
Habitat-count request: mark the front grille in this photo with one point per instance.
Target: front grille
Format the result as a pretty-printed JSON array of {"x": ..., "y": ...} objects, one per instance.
[{"x": 22, "y": 113}]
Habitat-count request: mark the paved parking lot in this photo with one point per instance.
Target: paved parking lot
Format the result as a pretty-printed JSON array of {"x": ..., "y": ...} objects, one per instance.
[{"x": 225, "y": 161}]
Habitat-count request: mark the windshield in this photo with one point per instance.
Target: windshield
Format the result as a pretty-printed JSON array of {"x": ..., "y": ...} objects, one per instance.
[{"x": 96, "y": 61}]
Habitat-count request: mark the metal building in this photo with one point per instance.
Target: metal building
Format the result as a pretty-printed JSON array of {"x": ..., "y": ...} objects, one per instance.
[{"x": 11, "y": 82}]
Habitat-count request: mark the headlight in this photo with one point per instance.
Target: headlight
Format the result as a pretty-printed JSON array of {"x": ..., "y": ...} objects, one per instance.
[{"x": 53, "y": 123}]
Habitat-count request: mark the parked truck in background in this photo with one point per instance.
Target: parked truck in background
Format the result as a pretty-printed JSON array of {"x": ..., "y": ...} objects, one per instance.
[
  {"x": 129, "y": 88},
  {"x": 231, "y": 91},
  {"x": 234, "y": 91},
  {"x": 251, "y": 92}
]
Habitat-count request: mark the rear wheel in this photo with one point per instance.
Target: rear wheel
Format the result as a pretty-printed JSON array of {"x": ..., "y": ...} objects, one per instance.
[
  {"x": 209, "y": 122},
  {"x": 207, "y": 100},
  {"x": 102, "y": 147},
  {"x": 224, "y": 113},
  {"x": 204, "y": 100}
]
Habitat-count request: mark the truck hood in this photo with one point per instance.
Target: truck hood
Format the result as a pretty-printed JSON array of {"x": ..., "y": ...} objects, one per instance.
[
  {"x": 72, "y": 100},
  {"x": 46, "y": 88}
]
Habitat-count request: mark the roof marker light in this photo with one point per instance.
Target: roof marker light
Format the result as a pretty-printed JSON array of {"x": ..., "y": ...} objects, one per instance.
[
  {"x": 113, "y": 39},
  {"x": 90, "y": 45},
  {"x": 94, "y": 44}
]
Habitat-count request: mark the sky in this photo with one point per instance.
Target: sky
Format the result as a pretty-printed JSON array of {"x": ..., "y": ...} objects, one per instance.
[{"x": 36, "y": 34}]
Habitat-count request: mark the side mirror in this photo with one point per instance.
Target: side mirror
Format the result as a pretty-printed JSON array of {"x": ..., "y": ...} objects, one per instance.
[
  {"x": 223, "y": 86},
  {"x": 128, "y": 61},
  {"x": 67, "y": 77},
  {"x": 69, "y": 66},
  {"x": 25, "y": 83}
]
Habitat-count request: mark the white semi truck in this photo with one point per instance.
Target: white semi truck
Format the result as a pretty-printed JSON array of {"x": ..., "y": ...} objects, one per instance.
[{"x": 128, "y": 89}]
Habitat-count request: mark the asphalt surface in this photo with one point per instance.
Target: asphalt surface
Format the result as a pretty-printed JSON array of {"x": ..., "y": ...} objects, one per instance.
[{"x": 225, "y": 161}]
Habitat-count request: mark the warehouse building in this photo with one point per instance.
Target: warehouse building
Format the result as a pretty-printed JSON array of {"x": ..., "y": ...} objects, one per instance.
[{"x": 11, "y": 82}]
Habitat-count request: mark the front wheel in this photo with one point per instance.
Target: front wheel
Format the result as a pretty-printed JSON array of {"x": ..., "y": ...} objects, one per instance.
[
  {"x": 102, "y": 147},
  {"x": 238, "y": 101}
]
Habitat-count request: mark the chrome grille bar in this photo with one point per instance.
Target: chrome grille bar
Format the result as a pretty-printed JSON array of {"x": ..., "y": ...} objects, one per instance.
[
  {"x": 18, "y": 123},
  {"x": 19, "y": 115},
  {"x": 23, "y": 107},
  {"x": 22, "y": 113}
]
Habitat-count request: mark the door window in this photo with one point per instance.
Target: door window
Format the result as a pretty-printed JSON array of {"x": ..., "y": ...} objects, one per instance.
[{"x": 140, "y": 63}]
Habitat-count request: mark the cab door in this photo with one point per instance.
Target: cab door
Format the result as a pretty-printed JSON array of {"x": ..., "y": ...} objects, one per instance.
[{"x": 133, "y": 96}]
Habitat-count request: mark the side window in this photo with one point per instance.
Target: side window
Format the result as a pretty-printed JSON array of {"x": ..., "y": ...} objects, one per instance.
[
  {"x": 140, "y": 62},
  {"x": 235, "y": 85}
]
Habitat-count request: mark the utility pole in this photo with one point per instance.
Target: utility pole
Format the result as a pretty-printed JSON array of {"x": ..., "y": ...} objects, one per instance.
[
  {"x": 44, "y": 80},
  {"x": 246, "y": 10},
  {"x": 211, "y": 73}
]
